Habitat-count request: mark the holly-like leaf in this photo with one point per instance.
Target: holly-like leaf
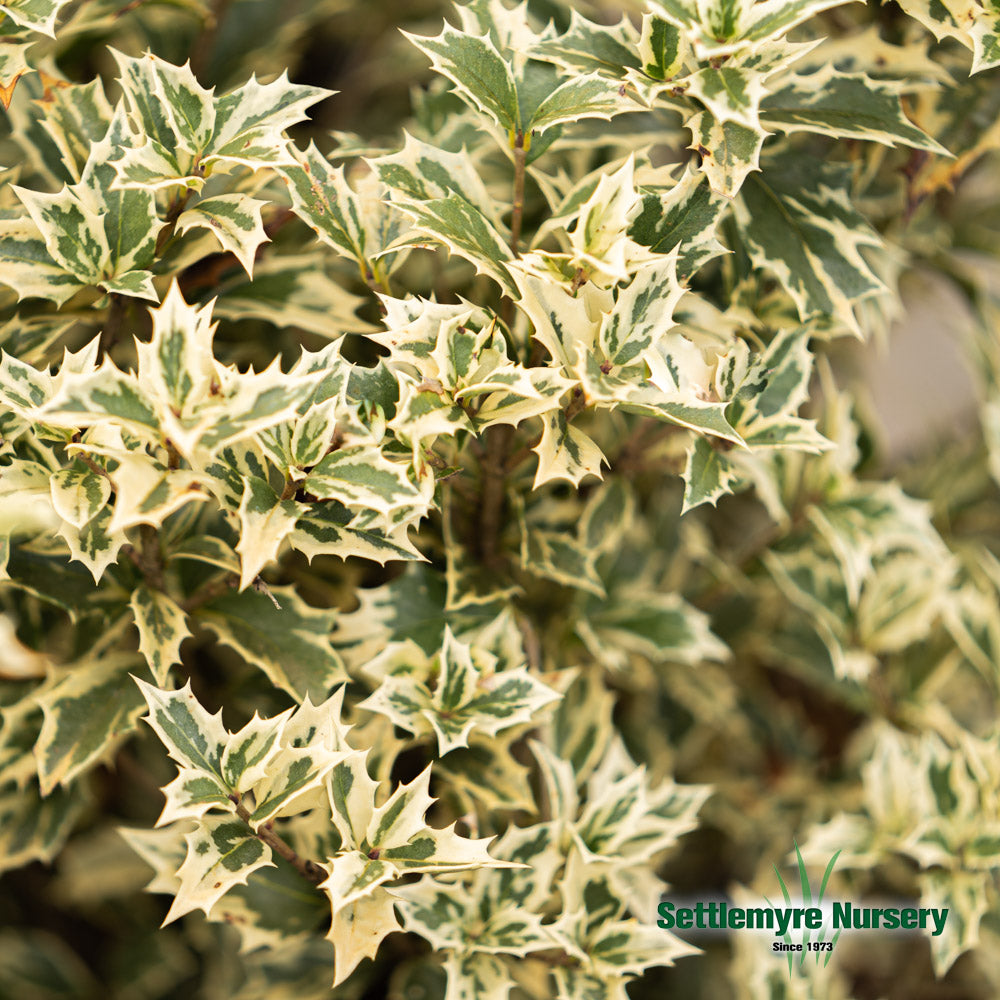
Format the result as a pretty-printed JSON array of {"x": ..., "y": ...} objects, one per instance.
[
  {"x": 469, "y": 696},
  {"x": 422, "y": 172},
  {"x": 801, "y": 226},
  {"x": 291, "y": 644},
  {"x": 707, "y": 475},
  {"x": 89, "y": 708},
  {"x": 222, "y": 853},
  {"x": 93, "y": 235},
  {"x": 13, "y": 65},
  {"x": 565, "y": 452},
  {"x": 842, "y": 104},
  {"x": 974, "y": 23},
  {"x": 183, "y": 132},
  {"x": 355, "y": 224},
  {"x": 289, "y": 290},
  {"x": 465, "y": 230},
  {"x": 685, "y": 216},
  {"x": 586, "y": 47},
  {"x": 193, "y": 738},
  {"x": 162, "y": 626},
  {"x": 661, "y": 48},
  {"x": 661, "y": 627},
  {"x": 481, "y": 76},
  {"x": 729, "y": 151},
  {"x": 234, "y": 220},
  {"x": 361, "y": 477},
  {"x": 78, "y": 493},
  {"x": 33, "y": 828},
  {"x": 265, "y": 522},
  {"x": 590, "y": 96},
  {"x": 38, "y": 15}
]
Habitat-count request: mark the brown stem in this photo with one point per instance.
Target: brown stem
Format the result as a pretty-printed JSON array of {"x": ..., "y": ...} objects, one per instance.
[
  {"x": 94, "y": 467},
  {"x": 211, "y": 590},
  {"x": 170, "y": 221},
  {"x": 113, "y": 327},
  {"x": 309, "y": 870},
  {"x": 150, "y": 558},
  {"x": 576, "y": 404},
  {"x": 491, "y": 494},
  {"x": 520, "y": 161},
  {"x": 128, "y": 8}
]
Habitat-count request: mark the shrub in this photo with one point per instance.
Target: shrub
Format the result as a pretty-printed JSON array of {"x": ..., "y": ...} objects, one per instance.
[{"x": 497, "y": 480}]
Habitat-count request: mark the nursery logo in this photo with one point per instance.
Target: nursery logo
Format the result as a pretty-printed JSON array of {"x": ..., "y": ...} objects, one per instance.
[{"x": 805, "y": 924}]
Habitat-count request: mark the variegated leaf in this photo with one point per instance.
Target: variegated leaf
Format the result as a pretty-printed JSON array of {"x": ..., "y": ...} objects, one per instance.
[
  {"x": 37, "y": 15},
  {"x": 222, "y": 853},
  {"x": 729, "y": 151},
  {"x": 707, "y": 475},
  {"x": 342, "y": 218},
  {"x": 660, "y": 627},
  {"x": 422, "y": 172},
  {"x": 461, "y": 227},
  {"x": 27, "y": 266},
  {"x": 590, "y": 96},
  {"x": 686, "y": 217},
  {"x": 288, "y": 290},
  {"x": 162, "y": 626},
  {"x": 469, "y": 696},
  {"x": 802, "y": 227},
  {"x": 185, "y": 130},
  {"x": 193, "y": 738},
  {"x": 587, "y": 47},
  {"x": 96, "y": 544},
  {"x": 362, "y": 477},
  {"x": 13, "y": 65},
  {"x": 292, "y": 776},
  {"x": 974, "y": 23},
  {"x": 565, "y": 452},
  {"x": 265, "y": 522},
  {"x": 78, "y": 493},
  {"x": 358, "y": 929},
  {"x": 291, "y": 644},
  {"x": 481, "y": 76},
  {"x": 234, "y": 220},
  {"x": 661, "y": 48},
  {"x": 88, "y": 710},
  {"x": 841, "y": 104},
  {"x": 32, "y": 827}
]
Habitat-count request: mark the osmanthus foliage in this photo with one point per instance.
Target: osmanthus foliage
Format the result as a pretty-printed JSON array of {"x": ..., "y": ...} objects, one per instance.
[{"x": 490, "y": 475}]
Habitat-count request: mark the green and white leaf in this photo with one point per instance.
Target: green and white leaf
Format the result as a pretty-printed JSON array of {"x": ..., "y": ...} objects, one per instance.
[
  {"x": 234, "y": 220},
  {"x": 192, "y": 737},
  {"x": 183, "y": 130},
  {"x": 801, "y": 226},
  {"x": 88, "y": 709},
  {"x": 565, "y": 452},
  {"x": 481, "y": 76},
  {"x": 265, "y": 522},
  {"x": 729, "y": 151},
  {"x": 461, "y": 227},
  {"x": 162, "y": 626},
  {"x": 222, "y": 853},
  {"x": 78, "y": 493},
  {"x": 685, "y": 216},
  {"x": 469, "y": 696},
  {"x": 33, "y": 828},
  {"x": 291, "y": 644},
  {"x": 848, "y": 105}
]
